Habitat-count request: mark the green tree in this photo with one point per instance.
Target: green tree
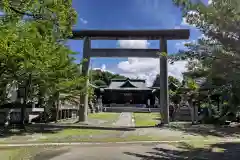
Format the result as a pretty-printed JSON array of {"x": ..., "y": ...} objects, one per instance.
[
  {"x": 99, "y": 82},
  {"x": 33, "y": 51},
  {"x": 58, "y": 15},
  {"x": 217, "y": 53},
  {"x": 101, "y": 78},
  {"x": 218, "y": 21},
  {"x": 171, "y": 80}
]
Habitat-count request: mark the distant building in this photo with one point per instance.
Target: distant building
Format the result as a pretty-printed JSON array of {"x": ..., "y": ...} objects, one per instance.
[{"x": 127, "y": 91}]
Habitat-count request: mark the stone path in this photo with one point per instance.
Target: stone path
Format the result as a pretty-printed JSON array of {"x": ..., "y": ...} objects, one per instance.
[{"x": 125, "y": 120}]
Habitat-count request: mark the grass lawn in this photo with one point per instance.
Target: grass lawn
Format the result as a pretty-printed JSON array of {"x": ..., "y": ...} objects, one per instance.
[
  {"x": 10, "y": 153},
  {"x": 110, "y": 138},
  {"x": 109, "y": 117},
  {"x": 106, "y": 136},
  {"x": 27, "y": 153},
  {"x": 75, "y": 134},
  {"x": 146, "y": 119}
]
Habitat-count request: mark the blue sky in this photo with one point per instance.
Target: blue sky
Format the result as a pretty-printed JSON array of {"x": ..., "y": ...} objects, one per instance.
[{"x": 130, "y": 14}]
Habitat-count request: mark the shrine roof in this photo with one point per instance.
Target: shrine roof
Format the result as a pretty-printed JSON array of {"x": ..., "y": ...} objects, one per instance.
[
  {"x": 129, "y": 89},
  {"x": 128, "y": 84}
]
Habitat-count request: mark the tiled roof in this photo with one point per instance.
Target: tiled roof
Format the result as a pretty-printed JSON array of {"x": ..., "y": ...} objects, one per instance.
[
  {"x": 129, "y": 89},
  {"x": 127, "y": 83}
]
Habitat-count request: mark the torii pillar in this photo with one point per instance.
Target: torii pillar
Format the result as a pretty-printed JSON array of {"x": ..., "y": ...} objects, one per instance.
[
  {"x": 164, "y": 96},
  {"x": 83, "y": 109}
]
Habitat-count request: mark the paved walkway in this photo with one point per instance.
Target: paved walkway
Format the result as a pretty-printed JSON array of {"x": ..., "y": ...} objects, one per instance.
[
  {"x": 125, "y": 120},
  {"x": 142, "y": 152},
  {"x": 122, "y": 152}
]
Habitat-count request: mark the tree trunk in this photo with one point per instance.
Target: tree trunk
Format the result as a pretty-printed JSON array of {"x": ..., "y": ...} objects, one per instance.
[
  {"x": 196, "y": 112},
  {"x": 25, "y": 99},
  {"x": 190, "y": 106},
  {"x": 7, "y": 121},
  {"x": 3, "y": 96},
  {"x": 176, "y": 108},
  {"x": 81, "y": 109},
  {"x": 41, "y": 103},
  {"x": 23, "y": 115},
  {"x": 57, "y": 108}
]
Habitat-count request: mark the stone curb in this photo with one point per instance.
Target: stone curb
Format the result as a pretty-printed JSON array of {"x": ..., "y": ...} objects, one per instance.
[{"x": 112, "y": 143}]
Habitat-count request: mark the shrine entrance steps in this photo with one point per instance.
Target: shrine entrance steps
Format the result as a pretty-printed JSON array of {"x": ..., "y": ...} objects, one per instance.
[{"x": 130, "y": 109}]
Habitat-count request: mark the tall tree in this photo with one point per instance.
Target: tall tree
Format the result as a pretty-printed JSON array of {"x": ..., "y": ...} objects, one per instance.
[
  {"x": 218, "y": 20},
  {"x": 218, "y": 52},
  {"x": 34, "y": 48},
  {"x": 103, "y": 78},
  {"x": 171, "y": 80}
]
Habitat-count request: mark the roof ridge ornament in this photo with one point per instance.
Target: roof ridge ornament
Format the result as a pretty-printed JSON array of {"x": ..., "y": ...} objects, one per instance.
[{"x": 128, "y": 81}]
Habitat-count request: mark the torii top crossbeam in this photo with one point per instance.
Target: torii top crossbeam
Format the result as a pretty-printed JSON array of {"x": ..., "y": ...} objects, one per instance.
[{"x": 172, "y": 34}]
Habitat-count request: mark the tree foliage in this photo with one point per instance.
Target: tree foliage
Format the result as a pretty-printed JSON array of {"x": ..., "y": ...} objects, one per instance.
[
  {"x": 215, "y": 56},
  {"x": 218, "y": 51},
  {"x": 103, "y": 78},
  {"x": 33, "y": 53},
  {"x": 58, "y": 14}
]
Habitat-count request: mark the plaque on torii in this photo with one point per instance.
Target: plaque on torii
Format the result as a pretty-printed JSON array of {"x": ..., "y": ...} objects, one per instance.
[{"x": 162, "y": 35}]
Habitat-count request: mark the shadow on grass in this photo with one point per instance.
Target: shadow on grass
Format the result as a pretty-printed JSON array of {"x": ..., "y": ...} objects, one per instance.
[
  {"x": 136, "y": 127},
  {"x": 45, "y": 155},
  {"x": 12, "y": 131},
  {"x": 206, "y": 130},
  {"x": 80, "y": 126},
  {"x": 157, "y": 119},
  {"x": 220, "y": 151},
  {"x": 54, "y": 128}
]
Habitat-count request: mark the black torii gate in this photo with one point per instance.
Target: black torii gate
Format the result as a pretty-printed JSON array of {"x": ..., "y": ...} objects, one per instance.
[{"x": 162, "y": 35}]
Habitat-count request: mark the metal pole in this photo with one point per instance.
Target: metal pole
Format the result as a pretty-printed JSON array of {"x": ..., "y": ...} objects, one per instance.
[{"x": 164, "y": 97}]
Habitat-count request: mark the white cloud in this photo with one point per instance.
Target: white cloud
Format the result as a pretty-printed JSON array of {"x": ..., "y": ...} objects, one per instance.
[
  {"x": 209, "y": 2},
  {"x": 177, "y": 27},
  {"x": 181, "y": 45},
  {"x": 142, "y": 44},
  {"x": 102, "y": 68},
  {"x": 148, "y": 68},
  {"x": 83, "y": 21},
  {"x": 144, "y": 68}
]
